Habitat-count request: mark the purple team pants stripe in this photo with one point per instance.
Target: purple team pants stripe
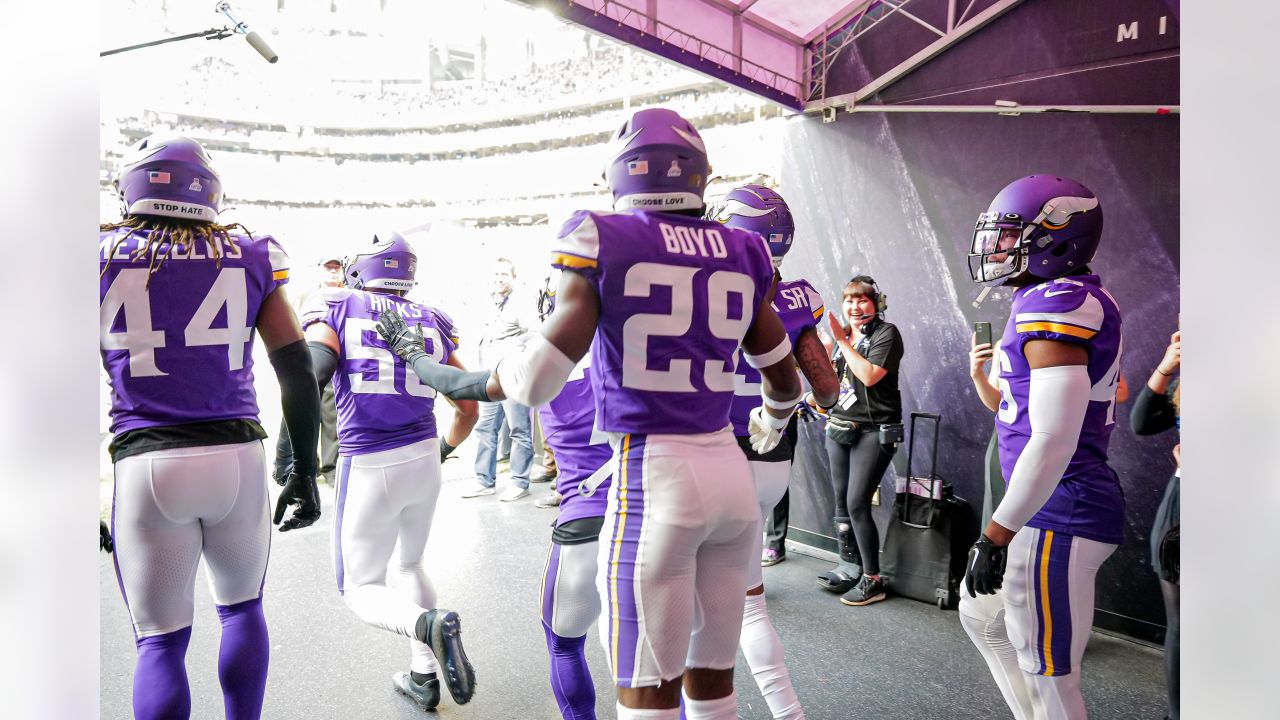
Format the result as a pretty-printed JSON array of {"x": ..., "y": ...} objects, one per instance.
[
  {"x": 1053, "y": 603},
  {"x": 624, "y": 564},
  {"x": 262, "y": 585},
  {"x": 115, "y": 556},
  {"x": 549, "y": 578},
  {"x": 344, "y": 473}
]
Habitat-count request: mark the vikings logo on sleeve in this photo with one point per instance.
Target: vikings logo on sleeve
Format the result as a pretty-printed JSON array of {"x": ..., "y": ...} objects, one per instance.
[
  {"x": 578, "y": 246},
  {"x": 381, "y": 403},
  {"x": 189, "y": 324},
  {"x": 1078, "y": 310},
  {"x": 677, "y": 295}
]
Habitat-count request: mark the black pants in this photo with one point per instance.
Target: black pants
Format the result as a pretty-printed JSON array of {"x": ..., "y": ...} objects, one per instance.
[
  {"x": 328, "y": 440},
  {"x": 1171, "y": 591},
  {"x": 775, "y": 526},
  {"x": 855, "y": 474}
]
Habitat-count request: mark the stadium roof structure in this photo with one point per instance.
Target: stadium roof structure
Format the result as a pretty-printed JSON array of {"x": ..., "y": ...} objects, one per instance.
[{"x": 782, "y": 49}]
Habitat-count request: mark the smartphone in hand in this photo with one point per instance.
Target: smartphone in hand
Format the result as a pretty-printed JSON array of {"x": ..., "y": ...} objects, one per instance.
[{"x": 983, "y": 332}]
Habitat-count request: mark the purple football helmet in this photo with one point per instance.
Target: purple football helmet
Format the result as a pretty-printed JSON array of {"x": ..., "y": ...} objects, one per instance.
[
  {"x": 390, "y": 265},
  {"x": 1041, "y": 226},
  {"x": 657, "y": 162},
  {"x": 760, "y": 210},
  {"x": 169, "y": 175}
]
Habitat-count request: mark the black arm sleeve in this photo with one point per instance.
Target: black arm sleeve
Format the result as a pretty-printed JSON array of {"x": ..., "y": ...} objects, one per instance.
[
  {"x": 1152, "y": 413},
  {"x": 452, "y": 382},
  {"x": 324, "y": 361},
  {"x": 300, "y": 400}
]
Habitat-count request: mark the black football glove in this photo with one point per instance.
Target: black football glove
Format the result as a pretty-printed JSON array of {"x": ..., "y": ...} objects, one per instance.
[
  {"x": 298, "y": 490},
  {"x": 986, "y": 567},
  {"x": 405, "y": 341},
  {"x": 282, "y": 476},
  {"x": 104, "y": 537},
  {"x": 445, "y": 449}
]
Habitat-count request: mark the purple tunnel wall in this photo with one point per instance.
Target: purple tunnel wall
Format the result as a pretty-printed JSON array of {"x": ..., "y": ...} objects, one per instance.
[{"x": 896, "y": 196}]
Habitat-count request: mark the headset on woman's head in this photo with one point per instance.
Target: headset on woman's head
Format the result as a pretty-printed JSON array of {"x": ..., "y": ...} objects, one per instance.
[{"x": 880, "y": 299}]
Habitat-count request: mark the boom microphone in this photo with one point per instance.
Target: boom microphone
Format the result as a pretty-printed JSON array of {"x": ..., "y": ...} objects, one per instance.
[
  {"x": 254, "y": 38},
  {"x": 224, "y": 7},
  {"x": 261, "y": 46}
]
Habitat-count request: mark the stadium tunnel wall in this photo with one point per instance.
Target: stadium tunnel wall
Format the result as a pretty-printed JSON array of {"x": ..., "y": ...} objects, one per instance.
[{"x": 896, "y": 196}]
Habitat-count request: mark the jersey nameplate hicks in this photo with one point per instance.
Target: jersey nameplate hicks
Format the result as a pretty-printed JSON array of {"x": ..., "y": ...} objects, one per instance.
[{"x": 381, "y": 403}]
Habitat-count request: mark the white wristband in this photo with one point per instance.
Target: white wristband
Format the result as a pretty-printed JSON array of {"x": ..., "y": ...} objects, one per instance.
[
  {"x": 778, "y": 353},
  {"x": 786, "y": 404},
  {"x": 775, "y": 423}
]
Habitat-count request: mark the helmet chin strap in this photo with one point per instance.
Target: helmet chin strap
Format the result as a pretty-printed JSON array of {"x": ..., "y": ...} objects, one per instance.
[{"x": 982, "y": 296}]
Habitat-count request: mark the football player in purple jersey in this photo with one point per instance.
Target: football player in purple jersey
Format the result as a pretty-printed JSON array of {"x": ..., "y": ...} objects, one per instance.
[
  {"x": 1029, "y": 598},
  {"x": 570, "y": 603},
  {"x": 663, "y": 299},
  {"x": 180, "y": 298},
  {"x": 389, "y": 462},
  {"x": 761, "y": 210}
]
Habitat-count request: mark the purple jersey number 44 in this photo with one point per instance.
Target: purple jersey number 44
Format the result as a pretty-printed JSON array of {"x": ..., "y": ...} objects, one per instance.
[{"x": 189, "y": 325}]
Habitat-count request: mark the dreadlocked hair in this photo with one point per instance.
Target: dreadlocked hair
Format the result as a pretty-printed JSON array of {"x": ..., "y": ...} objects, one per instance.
[{"x": 166, "y": 233}]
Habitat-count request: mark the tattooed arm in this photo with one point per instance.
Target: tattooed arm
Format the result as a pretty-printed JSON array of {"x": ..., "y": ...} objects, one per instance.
[{"x": 816, "y": 367}]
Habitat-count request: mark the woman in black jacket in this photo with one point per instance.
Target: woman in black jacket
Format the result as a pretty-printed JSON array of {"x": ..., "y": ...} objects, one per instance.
[
  {"x": 1156, "y": 410},
  {"x": 870, "y": 352}
]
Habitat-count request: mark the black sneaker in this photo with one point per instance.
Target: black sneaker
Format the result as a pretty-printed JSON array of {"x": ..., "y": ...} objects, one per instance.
[
  {"x": 867, "y": 591},
  {"x": 442, "y": 631},
  {"x": 426, "y": 695},
  {"x": 543, "y": 477}
]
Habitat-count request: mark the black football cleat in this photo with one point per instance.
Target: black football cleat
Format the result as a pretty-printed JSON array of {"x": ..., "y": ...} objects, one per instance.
[
  {"x": 442, "y": 631},
  {"x": 426, "y": 695}
]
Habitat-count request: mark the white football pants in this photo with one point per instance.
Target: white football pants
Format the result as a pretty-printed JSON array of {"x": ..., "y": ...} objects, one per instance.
[
  {"x": 677, "y": 538},
  {"x": 1034, "y": 637},
  {"x": 383, "y": 497},
  {"x": 760, "y": 643},
  {"x": 171, "y": 507}
]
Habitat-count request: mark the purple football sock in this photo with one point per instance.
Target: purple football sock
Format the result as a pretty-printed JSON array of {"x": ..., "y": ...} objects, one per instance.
[
  {"x": 242, "y": 659},
  {"x": 570, "y": 677},
  {"x": 160, "y": 688}
]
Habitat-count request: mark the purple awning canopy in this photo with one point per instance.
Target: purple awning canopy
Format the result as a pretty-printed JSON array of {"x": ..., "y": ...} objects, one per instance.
[
  {"x": 816, "y": 55},
  {"x": 758, "y": 45}
]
